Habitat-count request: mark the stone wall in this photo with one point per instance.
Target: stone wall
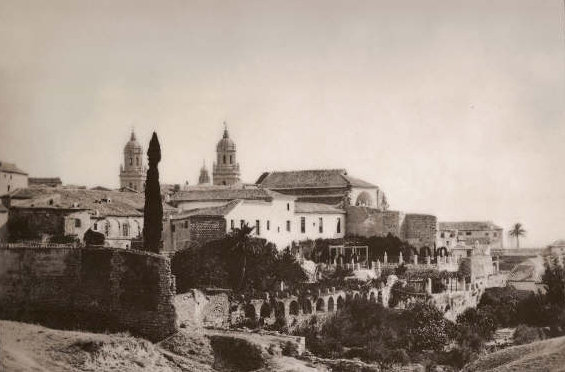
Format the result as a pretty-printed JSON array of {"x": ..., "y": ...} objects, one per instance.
[
  {"x": 203, "y": 308},
  {"x": 93, "y": 289},
  {"x": 419, "y": 230},
  {"x": 366, "y": 221},
  {"x": 181, "y": 233}
]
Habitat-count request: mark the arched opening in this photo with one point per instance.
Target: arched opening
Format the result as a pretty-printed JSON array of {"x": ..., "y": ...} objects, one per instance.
[
  {"x": 340, "y": 303},
  {"x": 442, "y": 252},
  {"x": 307, "y": 307},
  {"x": 320, "y": 305},
  {"x": 250, "y": 311},
  {"x": 380, "y": 297},
  {"x": 425, "y": 252},
  {"x": 364, "y": 199},
  {"x": 224, "y": 159},
  {"x": 372, "y": 297},
  {"x": 293, "y": 310},
  {"x": 356, "y": 297},
  {"x": 331, "y": 304},
  {"x": 279, "y": 310},
  {"x": 265, "y": 310}
]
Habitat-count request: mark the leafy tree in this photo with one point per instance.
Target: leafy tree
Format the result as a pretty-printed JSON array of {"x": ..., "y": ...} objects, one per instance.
[
  {"x": 480, "y": 321},
  {"x": 554, "y": 282},
  {"x": 153, "y": 211},
  {"x": 517, "y": 231},
  {"x": 427, "y": 328}
]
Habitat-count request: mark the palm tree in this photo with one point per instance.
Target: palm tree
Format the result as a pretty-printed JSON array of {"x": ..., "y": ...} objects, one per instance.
[
  {"x": 517, "y": 231},
  {"x": 243, "y": 247}
]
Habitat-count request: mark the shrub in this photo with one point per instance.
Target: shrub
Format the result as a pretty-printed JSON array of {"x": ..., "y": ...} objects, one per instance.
[{"x": 525, "y": 334}]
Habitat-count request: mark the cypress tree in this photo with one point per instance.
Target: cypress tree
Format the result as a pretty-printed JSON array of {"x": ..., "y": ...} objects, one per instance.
[{"x": 153, "y": 211}]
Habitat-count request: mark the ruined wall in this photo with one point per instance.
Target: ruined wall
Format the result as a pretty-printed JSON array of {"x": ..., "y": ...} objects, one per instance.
[
  {"x": 419, "y": 230},
  {"x": 94, "y": 289},
  {"x": 203, "y": 308},
  {"x": 366, "y": 221},
  {"x": 181, "y": 233}
]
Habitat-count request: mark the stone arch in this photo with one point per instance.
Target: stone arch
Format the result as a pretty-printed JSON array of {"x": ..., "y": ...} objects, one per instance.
[
  {"x": 279, "y": 310},
  {"x": 364, "y": 199},
  {"x": 265, "y": 310},
  {"x": 331, "y": 306},
  {"x": 380, "y": 297},
  {"x": 250, "y": 311},
  {"x": 293, "y": 308},
  {"x": 372, "y": 297},
  {"x": 340, "y": 302},
  {"x": 320, "y": 305},
  {"x": 442, "y": 251},
  {"x": 307, "y": 307},
  {"x": 425, "y": 251},
  {"x": 356, "y": 297}
]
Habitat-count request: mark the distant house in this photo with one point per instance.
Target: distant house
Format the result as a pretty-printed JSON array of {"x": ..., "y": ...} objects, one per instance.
[
  {"x": 11, "y": 178},
  {"x": 557, "y": 248},
  {"x": 49, "y": 213},
  {"x": 464, "y": 236},
  {"x": 45, "y": 181},
  {"x": 328, "y": 186}
]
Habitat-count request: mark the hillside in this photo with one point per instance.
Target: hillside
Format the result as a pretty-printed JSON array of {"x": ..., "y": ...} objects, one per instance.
[
  {"x": 547, "y": 355},
  {"x": 33, "y": 348}
]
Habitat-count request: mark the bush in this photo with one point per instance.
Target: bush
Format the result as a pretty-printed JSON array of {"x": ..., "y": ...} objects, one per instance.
[{"x": 525, "y": 334}]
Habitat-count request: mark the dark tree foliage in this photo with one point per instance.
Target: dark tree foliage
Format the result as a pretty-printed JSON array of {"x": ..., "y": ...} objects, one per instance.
[
  {"x": 153, "y": 211},
  {"x": 554, "y": 282},
  {"x": 502, "y": 305},
  {"x": 480, "y": 321},
  {"x": 20, "y": 229},
  {"x": 92, "y": 237},
  {"x": 220, "y": 264}
]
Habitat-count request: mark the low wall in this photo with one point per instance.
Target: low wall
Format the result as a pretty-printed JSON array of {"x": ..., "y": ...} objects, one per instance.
[{"x": 94, "y": 289}]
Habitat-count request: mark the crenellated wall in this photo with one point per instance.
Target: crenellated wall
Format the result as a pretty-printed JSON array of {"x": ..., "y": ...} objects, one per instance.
[{"x": 94, "y": 289}]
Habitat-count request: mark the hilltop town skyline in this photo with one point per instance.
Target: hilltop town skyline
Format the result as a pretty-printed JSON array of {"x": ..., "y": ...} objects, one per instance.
[{"x": 449, "y": 114}]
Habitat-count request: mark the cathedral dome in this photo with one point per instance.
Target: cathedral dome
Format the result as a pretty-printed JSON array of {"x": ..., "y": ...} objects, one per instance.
[
  {"x": 225, "y": 144},
  {"x": 132, "y": 143}
]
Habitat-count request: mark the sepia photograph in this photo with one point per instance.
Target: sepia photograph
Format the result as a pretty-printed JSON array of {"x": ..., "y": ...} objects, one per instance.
[{"x": 282, "y": 185}]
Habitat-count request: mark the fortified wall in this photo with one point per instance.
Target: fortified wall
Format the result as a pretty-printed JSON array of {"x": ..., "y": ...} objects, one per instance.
[
  {"x": 95, "y": 289},
  {"x": 418, "y": 229}
]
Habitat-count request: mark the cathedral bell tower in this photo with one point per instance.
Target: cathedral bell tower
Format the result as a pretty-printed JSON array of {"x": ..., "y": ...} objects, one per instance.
[
  {"x": 133, "y": 170},
  {"x": 226, "y": 168},
  {"x": 204, "y": 178}
]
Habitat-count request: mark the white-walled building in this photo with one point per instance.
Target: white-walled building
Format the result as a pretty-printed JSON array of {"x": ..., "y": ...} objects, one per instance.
[
  {"x": 276, "y": 217},
  {"x": 11, "y": 178}
]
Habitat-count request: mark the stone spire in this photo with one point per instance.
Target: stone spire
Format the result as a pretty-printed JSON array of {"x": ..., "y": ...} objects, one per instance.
[{"x": 204, "y": 178}]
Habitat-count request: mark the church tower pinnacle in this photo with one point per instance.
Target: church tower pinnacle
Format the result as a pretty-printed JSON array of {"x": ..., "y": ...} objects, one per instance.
[
  {"x": 133, "y": 170},
  {"x": 204, "y": 178},
  {"x": 226, "y": 167}
]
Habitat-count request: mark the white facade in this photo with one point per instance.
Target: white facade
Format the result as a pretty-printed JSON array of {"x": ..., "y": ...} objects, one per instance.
[
  {"x": 118, "y": 231},
  {"x": 279, "y": 223}
]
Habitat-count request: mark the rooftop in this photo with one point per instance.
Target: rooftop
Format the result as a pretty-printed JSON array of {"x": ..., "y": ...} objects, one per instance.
[
  {"x": 314, "y": 178},
  {"x": 217, "y": 211},
  {"x": 10, "y": 168},
  {"x": 469, "y": 225},
  {"x": 207, "y": 192},
  {"x": 44, "y": 181},
  {"x": 106, "y": 203}
]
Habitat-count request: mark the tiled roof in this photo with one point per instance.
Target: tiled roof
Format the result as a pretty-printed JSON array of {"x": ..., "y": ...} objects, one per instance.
[
  {"x": 201, "y": 193},
  {"x": 10, "y": 168},
  {"x": 217, "y": 211},
  {"x": 315, "y": 178},
  {"x": 469, "y": 225},
  {"x": 106, "y": 203},
  {"x": 300, "y": 207},
  {"x": 35, "y": 181}
]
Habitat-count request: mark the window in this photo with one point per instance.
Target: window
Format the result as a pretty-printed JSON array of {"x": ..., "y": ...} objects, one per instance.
[
  {"x": 232, "y": 224},
  {"x": 468, "y": 233},
  {"x": 338, "y": 229},
  {"x": 130, "y": 161},
  {"x": 231, "y": 159},
  {"x": 95, "y": 225},
  {"x": 173, "y": 227},
  {"x": 442, "y": 235},
  {"x": 302, "y": 225},
  {"x": 224, "y": 159},
  {"x": 268, "y": 225},
  {"x": 258, "y": 227},
  {"x": 288, "y": 226},
  {"x": 107, "y": 228},
  {"x": 137, "y": 160},
  {"x": 125, "y": 229},
  {"x": 321, "y": 225},
  {"x": 452, "y": 235},
  {"x": 77, "y": 222},
  {"x": 287, "y": 206},
  {"x": 241, "y": 223},
  {"x": 186, "y": 224}
]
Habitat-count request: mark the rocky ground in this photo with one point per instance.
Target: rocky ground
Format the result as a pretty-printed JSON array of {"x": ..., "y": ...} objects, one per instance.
[{"x": 27, "y": 347}]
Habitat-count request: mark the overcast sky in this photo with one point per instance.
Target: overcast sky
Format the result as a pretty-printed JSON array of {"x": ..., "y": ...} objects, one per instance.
[{"x": 454, "y": 108}]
